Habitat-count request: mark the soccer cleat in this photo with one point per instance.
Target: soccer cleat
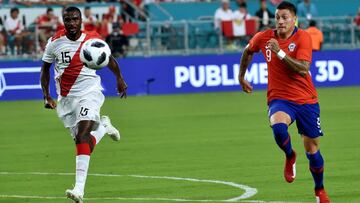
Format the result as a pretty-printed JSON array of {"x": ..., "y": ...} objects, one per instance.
[
  {"x": 321, "y": 196},
  {"x": 74, "y": 195},
  {"x": 290, "y": 168},
  {"x": 110, "y": 129}
]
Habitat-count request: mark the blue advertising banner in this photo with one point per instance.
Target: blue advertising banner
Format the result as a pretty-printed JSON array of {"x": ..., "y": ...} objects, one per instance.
[{"x": 183, "y": 74}]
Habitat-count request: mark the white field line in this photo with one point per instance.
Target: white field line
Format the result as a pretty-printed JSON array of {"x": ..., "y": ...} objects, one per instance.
[
  {"x": 135, "y": 199},
  {"x": 249, "y": 191}
]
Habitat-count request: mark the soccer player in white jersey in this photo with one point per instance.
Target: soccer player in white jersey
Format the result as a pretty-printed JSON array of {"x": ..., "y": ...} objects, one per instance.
[{"x": 79, "y": 94}]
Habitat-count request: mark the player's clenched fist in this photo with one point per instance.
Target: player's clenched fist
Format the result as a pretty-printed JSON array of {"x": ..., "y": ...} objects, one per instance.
[{"x": 273, "y": 45}]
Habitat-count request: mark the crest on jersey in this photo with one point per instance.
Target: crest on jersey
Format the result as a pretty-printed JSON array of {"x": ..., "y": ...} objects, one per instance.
[{"x": 291, "y": 46}]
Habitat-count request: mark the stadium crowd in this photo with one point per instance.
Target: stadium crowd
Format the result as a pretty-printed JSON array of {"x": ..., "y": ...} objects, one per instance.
[
  {"x": 18, "y": 38},
  {"x": 116, "y": 25},
  {"x": 262, "y": 20}
]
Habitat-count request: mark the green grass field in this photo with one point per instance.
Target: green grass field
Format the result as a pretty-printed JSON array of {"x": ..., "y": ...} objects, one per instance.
[{"x": 215, "y": 136}]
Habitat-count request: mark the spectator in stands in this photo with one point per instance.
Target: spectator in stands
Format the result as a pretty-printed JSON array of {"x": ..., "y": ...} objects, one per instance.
[
  {"x": 169, "y": 36},
  {"x": 109, "y": 18},
  {"x": 357, "y": 22},
  {"x": 64, "y": 2},
  {"x": 239, "y": 2},
  {"x": 29, "y": 2},
  {"x": 137, "y": 3},
  {"x": 60, "y": 25},
  {"x": 307, "y": 9},
  {"x": 224, "y": 13},
  {"x": 111, "y": 15},
  {"x": 47, "y": 24},
  {"x": 16, "y": 34},
  {"x": 127, "y": 11},
  {"x": 265, "y": 16},
  {"x": 117, "y": 41},
  {"x": 316, "y": 36},
  {"x": 90, "y": 22},
  {"x": 2, "y": 45},
  {"x": 275, "y": 2},
  {"x": 239, "y": 18},
  {"x": 242, "y": 13},
  {"x": 47, "y": 2},
  {"x": 2, "y": 38},
  {"x": 357, "y": 18}
]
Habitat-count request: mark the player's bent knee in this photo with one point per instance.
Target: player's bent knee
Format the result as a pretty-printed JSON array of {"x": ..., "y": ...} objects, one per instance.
[
  {"x": 311, "y": 149},
  {"x": 311, "y": 144},
  {"x": 280, "y": 117},
  {"x": 83, "y": 131}
]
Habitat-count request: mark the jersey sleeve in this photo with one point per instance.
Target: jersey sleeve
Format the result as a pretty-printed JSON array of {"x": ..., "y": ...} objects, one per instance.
[
  {"x": 254, "y": 43},
  {"x": 48, "y": 55},
  {"x": 305, "y": 48}
]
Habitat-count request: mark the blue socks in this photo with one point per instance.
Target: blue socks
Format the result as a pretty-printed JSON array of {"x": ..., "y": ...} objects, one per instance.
[
  {"x": 282, "y": 138},
  {"x": 316, "y": 163}
]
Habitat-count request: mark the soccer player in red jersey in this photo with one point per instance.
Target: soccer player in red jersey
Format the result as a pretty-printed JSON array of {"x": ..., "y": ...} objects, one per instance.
[
  {"x": 79, "y": 94},
  {"x": 291, "y": 94}
]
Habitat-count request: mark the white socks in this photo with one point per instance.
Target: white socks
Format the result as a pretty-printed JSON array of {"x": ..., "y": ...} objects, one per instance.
[
  {"x": 99, "y": 133},
  {"x": 83, "y": 160},
  {"x": 82, "y": 165}
]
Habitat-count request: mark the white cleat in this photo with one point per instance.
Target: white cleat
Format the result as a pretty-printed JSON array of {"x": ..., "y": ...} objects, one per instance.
[
  {"x": 74, "y": 195},
  {"x": 110, "y": 129}
]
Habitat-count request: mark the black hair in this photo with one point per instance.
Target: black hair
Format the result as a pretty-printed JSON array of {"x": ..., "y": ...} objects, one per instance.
[
  {"x": 243, "y": 5},
  {"x": 87, "y": 8},
  {"x": 49, "y": 10},
  {"x": 312, "y": 23},
  {"x": 287, "y": 5},
  {"x": 14, "y": 9},
  {"x": 71, "y": 9}
]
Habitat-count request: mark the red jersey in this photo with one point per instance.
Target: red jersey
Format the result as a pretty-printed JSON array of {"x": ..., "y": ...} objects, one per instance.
[{"x": 283, "y": 83}]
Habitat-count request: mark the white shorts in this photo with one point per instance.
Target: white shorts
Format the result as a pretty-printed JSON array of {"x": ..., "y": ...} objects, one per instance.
[{"x": 72, "y": 110}]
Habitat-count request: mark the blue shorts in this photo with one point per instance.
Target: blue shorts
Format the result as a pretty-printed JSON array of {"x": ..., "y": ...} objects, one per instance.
[{"x": 307, "y": 116}]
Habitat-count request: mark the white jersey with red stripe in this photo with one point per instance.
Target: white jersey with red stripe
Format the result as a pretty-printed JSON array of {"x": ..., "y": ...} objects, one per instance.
[{"x": 71, "y": 76}]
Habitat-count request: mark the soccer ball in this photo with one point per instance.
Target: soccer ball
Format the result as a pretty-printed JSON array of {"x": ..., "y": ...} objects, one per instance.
[{"x": 95, "y": 54}]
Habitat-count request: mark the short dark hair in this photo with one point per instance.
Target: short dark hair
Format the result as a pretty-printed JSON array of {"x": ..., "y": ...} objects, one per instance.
[
  {"x": 287, "y": 5},
  {"x": 14, "y": 9},
  {"x": 243, "y": 5},
  {"x": 72, "y": 9},
  {"x": 49, "y": 10},
  {"x": 312, "y": 23},
  {"x": 87, "y": 8}
]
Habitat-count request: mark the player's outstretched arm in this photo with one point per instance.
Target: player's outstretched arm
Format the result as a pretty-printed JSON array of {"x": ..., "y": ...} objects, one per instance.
[
  {"x": 244, "y": 63},
  {"x": 121, "y": 84},
  {"x": 299, "y": 66},
  {"x": 49, "y": 103}
]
